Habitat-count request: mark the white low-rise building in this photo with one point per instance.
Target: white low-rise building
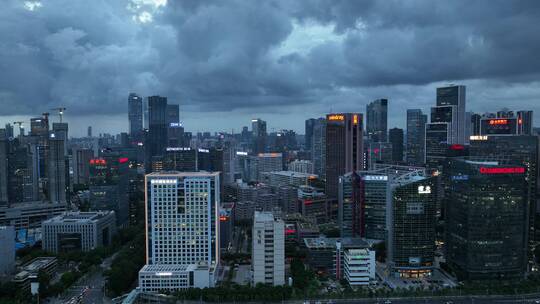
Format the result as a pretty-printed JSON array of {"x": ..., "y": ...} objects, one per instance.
[
  {"x": 73, "y": 231},
  {"x": 359, "y": 265},
  {"x": 156, "y": 278}
]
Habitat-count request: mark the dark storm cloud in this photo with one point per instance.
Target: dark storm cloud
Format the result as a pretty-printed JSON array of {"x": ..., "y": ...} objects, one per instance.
[{"x": 239, "y": 55}]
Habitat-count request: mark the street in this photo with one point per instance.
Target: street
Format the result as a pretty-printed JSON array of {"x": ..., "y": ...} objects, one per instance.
[
  {"x": 89, "y": 289},
  {"x": 535, "y": 298}
]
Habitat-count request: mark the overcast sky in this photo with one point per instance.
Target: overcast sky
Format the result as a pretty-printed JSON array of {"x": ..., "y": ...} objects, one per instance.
[{"x": 226, "y": 62}]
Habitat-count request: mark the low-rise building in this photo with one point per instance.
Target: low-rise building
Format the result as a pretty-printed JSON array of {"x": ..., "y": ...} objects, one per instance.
[
  {"x": 29, "y": 215},
  {"x": 29, "y": 272},
  {"x": 82, "y": 231},
  {"x": 155, "y": 278},
  {"x": 344, "y": 258},
  {"x": 359, "y": 266}
]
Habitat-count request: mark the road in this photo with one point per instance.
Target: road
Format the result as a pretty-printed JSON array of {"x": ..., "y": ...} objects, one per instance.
[
  {"x": 438, "y": 300},
  {"x": 89, "y": 289}
]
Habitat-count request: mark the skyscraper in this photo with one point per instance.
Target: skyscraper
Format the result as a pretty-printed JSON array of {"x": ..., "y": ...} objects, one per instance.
[
  {"x": 411, "y": 226},
  {"x": 258, "y": 127},
  {"x": 40, "y": 126},
  {"x": 525, "y": 122},
  {"x": 135, "y": 115},
  {"x": 396, "y": 139},
  {"x": 18, "y": 179},
  {"x": 173, "y": 114},
  {"x": 109, "y": 185},
  {"x": 452, "y": 96},
  {"x": 517, "y": 150},
  {"x": 56, "y": 169},
  {"x": 182, "y": 230},
  {"x": 506, "y": 122},
  {"x": 486, "y": 220},
  {"x": 81, "y": 165},
  {"x": 309, "y": 132},
  {"x": 416, "y": 125},
  {"x": 377, "y": 120},
  {"x": 437, "y": 137},
  {"x": 475, "y": 124},
  {"x": 60, "y": 129},
  {"x": 318, "y": 147},
  {"x": 157, "y": 132},
  {"x": 181, "y": 217},
  {"x": 344, "y": 148},
  {"x": 364, "y": 198}
]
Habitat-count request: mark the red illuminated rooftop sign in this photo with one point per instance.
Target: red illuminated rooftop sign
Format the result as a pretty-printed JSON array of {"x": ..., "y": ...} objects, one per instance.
[
  {"x": 457, "y": 147},
  {"x": 290, "y": 231},
  {"x": 123, "y": 160},
  {"x": 98, "y": 161},
  {"x": 509, "y": 170},
  {"x": 498, "y": 122}
]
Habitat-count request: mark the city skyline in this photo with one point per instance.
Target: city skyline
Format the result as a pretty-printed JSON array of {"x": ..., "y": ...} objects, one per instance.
[{"x": 306, "y": 62}]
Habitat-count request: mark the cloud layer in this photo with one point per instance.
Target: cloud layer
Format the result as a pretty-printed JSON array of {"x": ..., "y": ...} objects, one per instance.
[{"x": 280, "y": 60}]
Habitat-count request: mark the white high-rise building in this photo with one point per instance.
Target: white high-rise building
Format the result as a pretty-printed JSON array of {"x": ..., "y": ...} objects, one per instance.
[
  {"x": 268, "y": 256},
  {"x": 182, "y": 223}
]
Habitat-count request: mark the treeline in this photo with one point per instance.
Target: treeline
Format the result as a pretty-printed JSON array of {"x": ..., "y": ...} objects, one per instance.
[
  {"x": 125, "y": 266},
  {"x": 239, "y": 293}
]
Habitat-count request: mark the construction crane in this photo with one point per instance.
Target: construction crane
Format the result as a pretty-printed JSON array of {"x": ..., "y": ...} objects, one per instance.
[{"x": 60, "y": 112}]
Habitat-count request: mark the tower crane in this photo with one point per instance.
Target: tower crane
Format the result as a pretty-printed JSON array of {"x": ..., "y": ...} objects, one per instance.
[{"x": 60, "y": 112}]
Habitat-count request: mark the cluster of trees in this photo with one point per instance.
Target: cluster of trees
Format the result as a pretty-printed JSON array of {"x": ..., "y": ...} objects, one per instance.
[
  {"x": 330, "y": 230},
  {"x": 235, "y": 257},
  {"x": 305, "y": 282},
  {"x": 46, "y": 289},
  {"x": 126, "y": 265},
  {"x": 239, "y": 293},
  {"x": 10, "y": 294}
]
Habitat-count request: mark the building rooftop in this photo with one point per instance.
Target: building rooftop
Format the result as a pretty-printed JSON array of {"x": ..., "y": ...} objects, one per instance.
[
  {"x": 38, "y": 263},
  {"x": 166, "y": 269},
  {"x": 182, "y": 174},
  {"x": 34, "y": 204},
  {"x": 79, "y": 217},
  {"x": 292, "y": 174},
  {"x": 330, "y": 243},
  {"x": 263, "y": 216},
  {"x": 269, "y": 155}
]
